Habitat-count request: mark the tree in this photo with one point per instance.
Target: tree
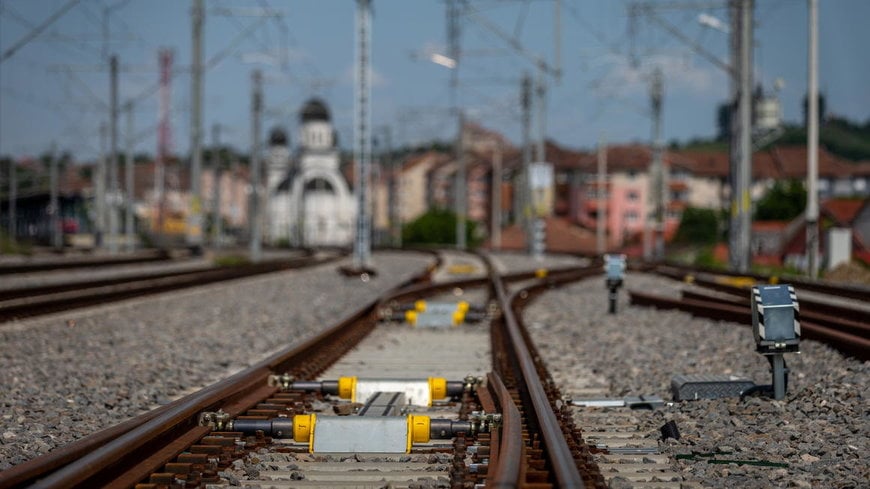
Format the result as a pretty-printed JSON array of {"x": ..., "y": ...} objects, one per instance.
[
  {"x": 783, "y": 202},
  {"x": 698, "y": 226},
  {"x": 437, "y": 226}
]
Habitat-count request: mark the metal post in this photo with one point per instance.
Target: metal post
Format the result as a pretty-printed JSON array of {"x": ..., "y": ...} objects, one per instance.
[
  {"x": 741, "y": 135},
  {"x": 54, "y": 206},
  {"x": 113, "y": 156},
  {"x": 362, "y": 135},
  {"x": 745, "y": 173},
  {"x": 100, "y": 189},
  {"x": 601, "y": 219},
  {"x": 254, "y": 203},
  {"x": 658, "y": 173},
  {"x": 460, "y": 186},
  {"x": 217, "y": 173},
  {"x": 165, "y": 61},
  {"x": 495, "y": 240},
  {"x": 813, "y": 141},
  {"x": 129, "y": 182},
  {"x": 395, "y": 176},
  {"x": 778, "y": 377},
  {"x": 194, "y": 221},
  {"x": 541, "y": 95},
  {"x": 13, "y": 200},
  {"x": 525, "y": 211}
]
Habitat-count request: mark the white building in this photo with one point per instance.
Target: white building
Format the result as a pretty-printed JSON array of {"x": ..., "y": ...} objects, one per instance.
[{"x": 310, "y": 204}]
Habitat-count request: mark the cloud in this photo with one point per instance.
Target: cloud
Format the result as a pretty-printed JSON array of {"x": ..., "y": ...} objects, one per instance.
[
  {"x": 377, "y": 79},
  {"x": 681, "y": 74}
]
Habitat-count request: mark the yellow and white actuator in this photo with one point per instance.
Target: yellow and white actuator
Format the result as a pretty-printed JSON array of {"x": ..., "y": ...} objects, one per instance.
[{"x": 348, "y": 434}]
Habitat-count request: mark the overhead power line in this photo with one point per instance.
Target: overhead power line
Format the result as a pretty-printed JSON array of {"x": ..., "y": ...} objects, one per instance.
[{"x": 37, "y": 30}]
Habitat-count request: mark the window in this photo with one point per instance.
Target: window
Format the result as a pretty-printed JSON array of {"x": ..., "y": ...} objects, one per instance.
[
  {"x": 633, "y": 196},
  {"x": 630, "y": 217},
  {"x": 319, "y": 184}
]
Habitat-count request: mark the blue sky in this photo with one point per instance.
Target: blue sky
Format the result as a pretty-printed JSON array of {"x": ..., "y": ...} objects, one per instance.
[{"x": 50, "y": 90}]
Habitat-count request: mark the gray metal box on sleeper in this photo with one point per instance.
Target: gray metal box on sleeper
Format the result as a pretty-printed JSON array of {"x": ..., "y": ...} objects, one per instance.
[{"x": 693, "y": 387}]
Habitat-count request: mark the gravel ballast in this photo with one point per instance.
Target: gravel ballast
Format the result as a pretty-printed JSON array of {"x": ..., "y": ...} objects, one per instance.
[
  {"x": 66, "y": 376},
  {"x": 821, "y": 431}
]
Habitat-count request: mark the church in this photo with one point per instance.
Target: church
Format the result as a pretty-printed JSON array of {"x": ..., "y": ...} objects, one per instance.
[{"x": 309, "y": 202}]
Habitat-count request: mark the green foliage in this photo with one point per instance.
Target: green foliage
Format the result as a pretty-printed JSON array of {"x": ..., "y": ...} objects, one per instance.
[
  {"x": 437, "y": 226},
  {"x": 706, "y": 259},
  {"x": 783, "y": 202},
  {"x": 700, "y": 226}
]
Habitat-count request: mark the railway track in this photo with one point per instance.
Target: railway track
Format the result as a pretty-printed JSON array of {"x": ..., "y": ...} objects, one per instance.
[
  {"x": 844, "y": 327},
  {"x": 41, "y": 300},
  {"x": 499, "y": 425},
  {"x": 85, "y": 262}
]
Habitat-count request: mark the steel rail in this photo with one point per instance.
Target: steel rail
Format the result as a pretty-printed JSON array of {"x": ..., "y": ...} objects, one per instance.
[
  {"x": 843, "y": 290},
  {"x": 82, "y": 465},
  {"x": 817, "y": 306},
  {"x": 86, "y": 462},
  {"x": 102, "y": 262},
  {"x": 558, "y": 452},
  {"x": 853, "y": 345},
  {"x": 140, "y": 286},
  {"x": 504, "y": 470},
  {"x": 838, "y": 320}
]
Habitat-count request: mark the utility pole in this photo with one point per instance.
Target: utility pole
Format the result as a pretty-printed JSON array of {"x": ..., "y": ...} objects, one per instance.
[
  {"x": 129, "y": 183},
  {"x": 741, "y": 135},
  {"x": 525, "y": 211},
  {"x": 541, "y": 106},
  {"x": 217, "y": 173},
  {"x": 13, "y": 200},
  {"x": 495, "y": 235},
  {"x": 460, "y": 186},
  {"x": 362, "y": 135},
  {"x": 395, "y": 176},
  {"x": 601, "y": 221},
  {"x": 54, "y": 206},
  {"x": 813, "y": 141},
  {"x": 194, "y": 221},
  {"x": 254, "y": 205},
  {"x": 100, "y": 189},
  {"x": 163, "y": 139},
  {"x": 113, "y": 156},
  {"x": 659, "y": 180}
]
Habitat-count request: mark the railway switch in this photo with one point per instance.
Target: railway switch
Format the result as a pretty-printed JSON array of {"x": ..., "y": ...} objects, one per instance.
[
  {"x": 776, "y": 328},
  {"x": 418, "y": 392},
  {"x": 425, "y": 314},
  {"x": 614, "y": 270},
  {"x": 371, "y": 434}
]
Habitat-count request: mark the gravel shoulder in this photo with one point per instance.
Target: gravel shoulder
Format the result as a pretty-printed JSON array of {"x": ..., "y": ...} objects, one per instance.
[
  {"x": 821, "y": 430},
  {"x": 65, "y": 376}
]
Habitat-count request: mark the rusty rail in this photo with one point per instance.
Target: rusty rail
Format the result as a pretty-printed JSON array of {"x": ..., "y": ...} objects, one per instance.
[
  {"x": 539, "y": 412},
  {"x": 124, "y": 454},
  {"x": 84, "y": 294},
  {"x": 849, "y": 344},
  {"x": 843, "y": 290}
]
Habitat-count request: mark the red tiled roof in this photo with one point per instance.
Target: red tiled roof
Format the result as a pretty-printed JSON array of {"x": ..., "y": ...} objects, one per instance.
[
  {"x": 562, "y": 237},
  {"x": 843, "y": 211},
  {"x": 769, "y": 226}
]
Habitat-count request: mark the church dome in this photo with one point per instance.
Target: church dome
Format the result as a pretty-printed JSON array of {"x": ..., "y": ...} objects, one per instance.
[
  {"x": 277, "y": 137},
  {"x": 314, "y": 110}
]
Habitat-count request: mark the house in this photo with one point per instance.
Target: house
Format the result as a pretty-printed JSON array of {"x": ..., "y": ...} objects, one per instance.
[{"x": 852, "y": 214}]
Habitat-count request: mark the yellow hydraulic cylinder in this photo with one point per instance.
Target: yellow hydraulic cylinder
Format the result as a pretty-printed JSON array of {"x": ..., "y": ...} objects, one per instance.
[{"x": 419, "y": 392}]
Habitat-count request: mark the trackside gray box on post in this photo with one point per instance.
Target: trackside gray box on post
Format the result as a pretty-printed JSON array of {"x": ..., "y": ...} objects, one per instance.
[{"x": 694, "y": 387}]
